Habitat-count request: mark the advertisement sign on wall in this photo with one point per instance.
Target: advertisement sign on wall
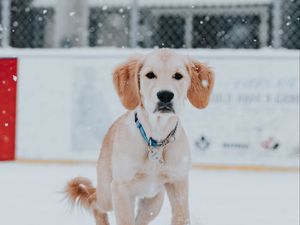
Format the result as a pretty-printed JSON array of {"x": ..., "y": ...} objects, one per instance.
[{"x": 8, "y": 89}]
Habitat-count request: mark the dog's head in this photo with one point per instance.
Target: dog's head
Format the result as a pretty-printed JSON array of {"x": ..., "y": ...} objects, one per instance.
[{"x": 161, "y": 81}]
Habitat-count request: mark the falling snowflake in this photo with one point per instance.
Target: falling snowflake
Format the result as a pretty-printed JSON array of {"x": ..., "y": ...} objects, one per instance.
[
  {"x": 6, "y": 124},
  {"x": 15, "y": 78},
  {"x": 72, "y": 13},
  {"x": 15, "y": 24}
]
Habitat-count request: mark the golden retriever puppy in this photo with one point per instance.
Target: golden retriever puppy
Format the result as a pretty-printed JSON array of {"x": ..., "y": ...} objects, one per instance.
[{"x": 146, "y": 153}]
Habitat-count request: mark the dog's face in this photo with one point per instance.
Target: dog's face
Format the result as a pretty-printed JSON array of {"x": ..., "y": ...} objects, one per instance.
[
  {"x": 164, "y": 81},
  {"x": 161, "y": 81}
]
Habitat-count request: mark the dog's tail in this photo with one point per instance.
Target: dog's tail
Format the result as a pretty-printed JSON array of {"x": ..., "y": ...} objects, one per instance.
[{"x": 80, "y": 190}]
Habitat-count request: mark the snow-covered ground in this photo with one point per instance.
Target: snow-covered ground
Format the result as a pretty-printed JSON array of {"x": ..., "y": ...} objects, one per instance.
[{"x": 31, "y": 195}]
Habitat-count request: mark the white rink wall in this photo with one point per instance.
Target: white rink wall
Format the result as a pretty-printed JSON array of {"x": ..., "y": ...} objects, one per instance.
[{"x": 66, "y": 102}]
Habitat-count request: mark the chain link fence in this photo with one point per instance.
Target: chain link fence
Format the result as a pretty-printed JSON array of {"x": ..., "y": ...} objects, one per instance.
[
  {"x": 146, "y": 24},
  {"x": 109, "y": 26},
  {"x": 290, "y": 29},
  {"x": 28, "y": 26},
  {"x": 207, "y": 27}
]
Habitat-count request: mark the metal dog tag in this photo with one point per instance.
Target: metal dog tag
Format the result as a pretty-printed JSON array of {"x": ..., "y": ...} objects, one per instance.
[{"x": 155, "y": 155}]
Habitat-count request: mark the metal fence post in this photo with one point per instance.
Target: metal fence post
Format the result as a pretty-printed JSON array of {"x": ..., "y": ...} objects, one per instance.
[
  {"x": 276, "y": 22},
  {"x": 6, "y": 4},
  {"x": 71, "y": 24},
  {"x": 134, "y": 20},
  {"x": 188, "y": 36},
  {"x": 263, "y": 28}
]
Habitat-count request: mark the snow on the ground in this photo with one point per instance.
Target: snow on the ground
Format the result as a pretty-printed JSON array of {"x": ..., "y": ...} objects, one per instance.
[{"x": 32, "y": 195}]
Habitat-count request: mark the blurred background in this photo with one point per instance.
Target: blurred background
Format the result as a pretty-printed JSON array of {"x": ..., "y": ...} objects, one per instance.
[
  {"x": 248, "y": 24},
  {"x": 65, "y": 52},
  {"x": 57, "y": 102}
]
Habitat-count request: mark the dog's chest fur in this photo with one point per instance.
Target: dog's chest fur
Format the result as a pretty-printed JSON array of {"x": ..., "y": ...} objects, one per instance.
[
  {"x": 150, "y": 177},
  {"x": 147, "y": 183},
  {"x": 145, "y": 177}
]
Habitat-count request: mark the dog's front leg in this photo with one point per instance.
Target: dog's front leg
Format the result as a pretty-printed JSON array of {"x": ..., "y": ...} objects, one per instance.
[
  {"x": 178, "y": 196},
  {"x": 123, "y": 203}
]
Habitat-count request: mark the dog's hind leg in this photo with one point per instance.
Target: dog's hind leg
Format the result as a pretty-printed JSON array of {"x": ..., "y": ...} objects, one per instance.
[
  {"x": 103, "y": 206},
  {"x": 101, "y": 218},
  {"x": 104, "y": 202},
  {"x": 148, "y": 209}
]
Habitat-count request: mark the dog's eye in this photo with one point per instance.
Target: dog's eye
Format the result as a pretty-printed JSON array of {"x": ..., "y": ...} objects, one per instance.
[
  {"x": 177, "y": 76},
  {"x": 150, "y": 75}
]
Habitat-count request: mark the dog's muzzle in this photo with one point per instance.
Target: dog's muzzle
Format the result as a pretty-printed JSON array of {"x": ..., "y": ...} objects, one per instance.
[{"x": 164, "y": 107}]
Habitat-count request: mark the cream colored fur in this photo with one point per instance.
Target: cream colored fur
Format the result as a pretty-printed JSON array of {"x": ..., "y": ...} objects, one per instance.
[{"x": 124, "y": 171}]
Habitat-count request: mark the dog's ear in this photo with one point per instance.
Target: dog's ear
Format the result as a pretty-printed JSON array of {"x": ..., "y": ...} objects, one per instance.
[
  {"x": 202, "y": 82},
  {"x": 126, "y": 82}
]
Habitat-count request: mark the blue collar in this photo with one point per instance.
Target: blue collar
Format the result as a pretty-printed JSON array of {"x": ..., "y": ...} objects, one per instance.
[{"x": 152, "y": 142}]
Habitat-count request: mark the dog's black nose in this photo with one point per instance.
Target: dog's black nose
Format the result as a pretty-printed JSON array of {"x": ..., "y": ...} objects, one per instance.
[{"x": 165, "y": 96}]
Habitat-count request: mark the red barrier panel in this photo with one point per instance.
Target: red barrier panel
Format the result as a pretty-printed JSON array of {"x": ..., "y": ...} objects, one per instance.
[{"x": 8, "y": 93}]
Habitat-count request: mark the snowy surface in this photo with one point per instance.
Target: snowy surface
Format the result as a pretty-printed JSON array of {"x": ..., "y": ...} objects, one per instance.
[{"x": 31, "y": 195}]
